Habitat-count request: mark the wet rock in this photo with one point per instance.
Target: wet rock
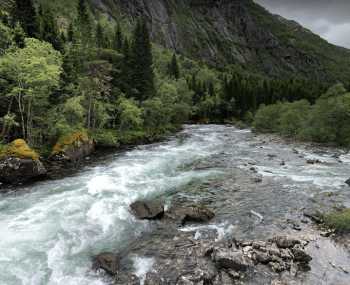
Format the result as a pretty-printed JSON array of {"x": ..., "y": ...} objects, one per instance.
[
  {"x": 190, "y": 214},
  {"x": 347, "y": 182},
  {"x": 150, "y": 210},
  {"x": 230, "y": 259},
  {"x": 261, "y": 257},
  {"x": 14, "y": 170},
  {"x": 313, "y": 161},
  {"x": 257, "y": 179},
  {"x": 285, "y": 242},
  {"x": 107, "y": 261},
  {"x": 271, "y": 156},
  {"x": 283, "y": 163},
  {"x": 128, "y": 279},
  {"x": 300, "y": 255},
  {"x": 315, "y": 216},
  {"x": 153, "y": 278}
]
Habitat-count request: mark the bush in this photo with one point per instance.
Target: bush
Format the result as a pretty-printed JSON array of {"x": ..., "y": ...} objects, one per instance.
[
  {"x": 106, "y": 138},
  {"x": 292, "y": 119},
  {"x": 267, "y": 119},
  {"x": 340, "y": 221}
]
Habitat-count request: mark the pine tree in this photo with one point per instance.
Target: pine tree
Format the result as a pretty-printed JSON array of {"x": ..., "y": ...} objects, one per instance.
[
  {"x": 100, "y": 38},
  {"x": 142, "y": 63},
  {"x": 49, "y": 31},
  {"x": 70, "y": 33},
  {"x": 24, "y": 13},
  {"x": 118, "y": 39},
  {"x": 174, "y": 69},
  {"x": 84, "y": 22},
  {"x": 19, "y": 36},
  {"x": 126, "y": 70}
]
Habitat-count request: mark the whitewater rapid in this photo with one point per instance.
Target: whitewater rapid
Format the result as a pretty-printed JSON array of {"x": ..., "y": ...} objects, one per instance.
[{"x": 50, "y": 231}]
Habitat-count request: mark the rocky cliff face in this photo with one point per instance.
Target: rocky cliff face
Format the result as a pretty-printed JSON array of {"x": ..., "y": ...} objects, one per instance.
[{"x": 239, "y": 32}]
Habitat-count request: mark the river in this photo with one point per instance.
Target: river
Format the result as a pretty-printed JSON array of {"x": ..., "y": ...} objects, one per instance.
[{"x": 50, "y": 230}]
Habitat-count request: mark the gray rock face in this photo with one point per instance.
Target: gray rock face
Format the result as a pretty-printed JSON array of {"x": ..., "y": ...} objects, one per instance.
[
  {"x": 150, "y": 210},
  {"x": 17, "y": 170},
  {"x": 230, "y": 31}
]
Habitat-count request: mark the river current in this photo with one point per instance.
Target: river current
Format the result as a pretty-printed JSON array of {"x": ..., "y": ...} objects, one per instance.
[{"x": 50, "y": 230}]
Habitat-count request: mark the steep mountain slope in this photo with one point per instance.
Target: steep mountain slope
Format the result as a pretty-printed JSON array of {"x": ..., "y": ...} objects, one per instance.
[
  {"x": 236, "y": 32},
  {"x": 228, "y": 32}
]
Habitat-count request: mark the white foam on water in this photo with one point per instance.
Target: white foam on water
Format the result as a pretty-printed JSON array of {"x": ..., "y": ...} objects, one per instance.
[
  {"x": 222, "y": 230},
  {"x": 50, "y": 232},
  {"x": 142, "y": 266}
]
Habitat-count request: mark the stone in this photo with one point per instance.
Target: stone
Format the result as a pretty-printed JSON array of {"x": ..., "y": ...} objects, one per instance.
[
  {"x": 261, "y": 257},
  {"x": 300, "y": 255},
  {"x": 348, "y": 182},
  {"x": 153, "y": 278},
  {"x": 314, "y": 216},
  {"x": 230, "y": 259},
  {"x": 107, "y": 261},
  {"x": 190, "y": 214},
  {"x": 147, "y": 210},
  {"x": 14, "y": 170},
  {"x": 285, "y": 242}
]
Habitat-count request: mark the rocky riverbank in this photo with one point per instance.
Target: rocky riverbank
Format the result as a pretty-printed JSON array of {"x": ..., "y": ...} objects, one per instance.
[{"x": 181, "y": 257}]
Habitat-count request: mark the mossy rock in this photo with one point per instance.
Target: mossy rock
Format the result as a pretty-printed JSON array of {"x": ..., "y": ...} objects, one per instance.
[
  {"x": 73, "y": 147},
  {"x": 339, "y": 221},
  {"x": 75, "y": 139},
  {"x": 19, "y": 149}
]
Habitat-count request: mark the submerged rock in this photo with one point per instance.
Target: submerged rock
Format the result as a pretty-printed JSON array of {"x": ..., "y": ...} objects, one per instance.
[
  {"x": 107, "y": 261},
  {"x": 148, "y": 210}
]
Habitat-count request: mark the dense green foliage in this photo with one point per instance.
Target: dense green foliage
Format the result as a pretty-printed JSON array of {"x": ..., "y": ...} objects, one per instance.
[{"x": 326, "y": 121}]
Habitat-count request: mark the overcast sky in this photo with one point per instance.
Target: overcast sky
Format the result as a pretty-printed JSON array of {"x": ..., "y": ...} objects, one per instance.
[{"x": 328, "y": 18}]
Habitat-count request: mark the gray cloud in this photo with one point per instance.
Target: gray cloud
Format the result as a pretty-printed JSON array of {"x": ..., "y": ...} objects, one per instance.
[{"x": 328, "y": 18}]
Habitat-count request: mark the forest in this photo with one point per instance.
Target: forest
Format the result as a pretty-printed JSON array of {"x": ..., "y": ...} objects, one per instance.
[{"x": 95, "y": 77}]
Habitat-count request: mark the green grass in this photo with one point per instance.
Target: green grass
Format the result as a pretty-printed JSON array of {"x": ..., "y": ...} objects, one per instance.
[{"x": 339, "y": 221}]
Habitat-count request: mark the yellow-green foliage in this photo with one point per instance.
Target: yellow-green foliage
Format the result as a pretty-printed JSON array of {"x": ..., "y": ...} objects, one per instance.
[
  {"x": 72, "y": 140},
  {"x": 340, "y": 221},
  {"x": 18, "y": 148}
]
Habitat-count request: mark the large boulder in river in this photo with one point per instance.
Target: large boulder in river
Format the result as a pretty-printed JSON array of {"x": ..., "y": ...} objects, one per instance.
[
  {"x": 73, "y": 147},
  {"x": 147, "y": 210},
  {"x": 106, "y": 261},
  {"x": 19, "y": 163}
]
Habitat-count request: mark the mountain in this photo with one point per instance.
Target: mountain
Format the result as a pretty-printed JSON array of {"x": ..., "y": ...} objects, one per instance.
[
  {"x": 228, "y": 32},
  {"x": 237, "y": 32}
]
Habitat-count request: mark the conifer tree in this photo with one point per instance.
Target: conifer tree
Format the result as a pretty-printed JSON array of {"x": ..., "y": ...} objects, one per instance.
[
  {"x": 100, "y": 38},
  {"x": 70, "y": 33},
  {"x": 142, "y": 63},
  {"x": 84, "y": 22},
  {"x": 174, "y": 69},
  {"x": 24, "y": 12},
  {"x": 118, "y": 39},
  {"x": 49, "y": 31}
]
